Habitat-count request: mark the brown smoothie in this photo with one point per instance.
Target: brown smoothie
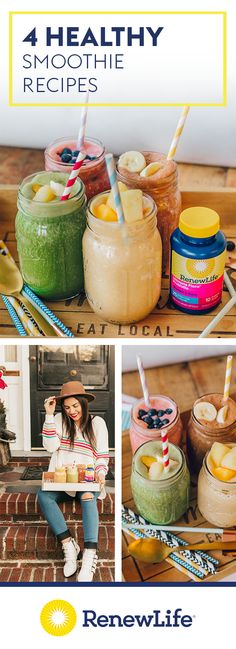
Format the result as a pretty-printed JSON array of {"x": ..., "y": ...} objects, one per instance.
[
  {"x": 201, "y": 433},
  {"x": 162, "y": 186}
]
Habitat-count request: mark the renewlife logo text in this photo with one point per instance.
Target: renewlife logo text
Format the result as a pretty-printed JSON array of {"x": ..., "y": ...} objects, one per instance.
[{"x": 157, "y": 618}]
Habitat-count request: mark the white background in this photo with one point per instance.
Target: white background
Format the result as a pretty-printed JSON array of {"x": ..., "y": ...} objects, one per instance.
[
  {"x": 209, "y": 135},
  {"x": 214, "y": 609},
  {"x": 185, "y": 66}
]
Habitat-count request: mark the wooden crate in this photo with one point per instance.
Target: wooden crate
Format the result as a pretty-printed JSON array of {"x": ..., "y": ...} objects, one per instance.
[
  {"x": 165, "y": 320},
  {"x": 66, "y": 486},
  {"x": 166, "y": 571}
]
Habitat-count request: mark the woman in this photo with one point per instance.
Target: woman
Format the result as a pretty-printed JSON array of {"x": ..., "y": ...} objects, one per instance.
[{"x": 73, "y": 436}]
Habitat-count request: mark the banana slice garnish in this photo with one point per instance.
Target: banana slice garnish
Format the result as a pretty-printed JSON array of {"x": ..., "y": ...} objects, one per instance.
[{"x": 133, "y": 161}]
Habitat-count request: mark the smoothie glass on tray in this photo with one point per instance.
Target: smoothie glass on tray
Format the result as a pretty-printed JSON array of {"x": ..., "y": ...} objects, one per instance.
[
  {"x": 93, "y": 172},
  {"x": 163, "y": 187},
  {"x": 139, "y": 431},
  {"x": 49, "y": 238},
  {"x": 122, "y": 265},
  {"x": 162, "y": 501},
  {"x": 216, "y": 498},
  {"x": 202, "y": 434}
]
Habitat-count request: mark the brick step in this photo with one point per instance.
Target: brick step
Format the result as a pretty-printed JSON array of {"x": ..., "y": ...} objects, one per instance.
[
  {"x": 24, "y": 506},
  {"x": 49, "y": 571},
  {"x": 38, "y": 542},
  {"x": 29, "y": 461}
]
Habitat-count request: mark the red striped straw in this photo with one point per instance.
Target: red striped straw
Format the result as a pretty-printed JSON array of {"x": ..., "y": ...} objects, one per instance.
[
  {"x": 73, "y": 176},
  {"x": 81, "y": 136},
  {"x": 165, "y": 450},
  {"x": 143, "y": 382}
]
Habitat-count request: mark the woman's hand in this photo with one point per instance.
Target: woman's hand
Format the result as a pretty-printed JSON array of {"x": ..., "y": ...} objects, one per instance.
[
  {"x": 100, "y": 477},
  {"x": 50, "y": 405}
]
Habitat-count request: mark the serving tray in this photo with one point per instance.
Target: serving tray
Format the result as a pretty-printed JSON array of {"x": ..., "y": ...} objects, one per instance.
[
  {"x": 165, "y": 320},
  {"x": 67, "y": 486}
]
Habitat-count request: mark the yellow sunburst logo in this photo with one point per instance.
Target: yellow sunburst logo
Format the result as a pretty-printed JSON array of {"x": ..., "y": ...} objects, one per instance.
[
  {"x": 200, "y": 267},
  {"x": 58, "y": 617}
]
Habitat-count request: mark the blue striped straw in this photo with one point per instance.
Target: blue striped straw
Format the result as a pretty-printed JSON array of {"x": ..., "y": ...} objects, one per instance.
[
  {"x": 13, "y": 315},
  {"x": 111, "y": 170},
  {"x": 45, "y": 311}
]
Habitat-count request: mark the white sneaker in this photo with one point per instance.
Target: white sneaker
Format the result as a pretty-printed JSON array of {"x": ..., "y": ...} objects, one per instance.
[
  {"x": 89, "y": 563},
  {"x": 71, "y": 551}
]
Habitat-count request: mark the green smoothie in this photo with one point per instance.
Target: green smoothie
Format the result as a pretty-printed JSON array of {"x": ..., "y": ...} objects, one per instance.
[
  {"x": 165, "y": 500},
  {"x": 49, "y": 236}
]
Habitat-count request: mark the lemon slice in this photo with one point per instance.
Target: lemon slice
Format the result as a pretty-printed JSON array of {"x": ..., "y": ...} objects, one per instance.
[
  {"x": 221, "y": 415},
  {"x": 205, "y": 410},
  {"x": 151, "y": 169},
  {"x": 133, "y": 161}
]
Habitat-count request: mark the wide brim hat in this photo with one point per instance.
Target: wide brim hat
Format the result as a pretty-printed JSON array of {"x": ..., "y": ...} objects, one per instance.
[{"x": 74, "y": 389}]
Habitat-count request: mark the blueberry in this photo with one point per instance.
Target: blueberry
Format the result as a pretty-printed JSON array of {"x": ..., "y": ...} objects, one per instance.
[
  {"x": 169, "y": 411},
  {"x": 75, "y": 153},
  {"x": 66, "y": 150},
  {"x": 159, "y": 425},
  {"x": 91, "y": 157},
  {"x": 230, "y": 246},
  {"x": 152, "y": 412},
  {"x": 151, "y": 425},
  {"x": 73, "y": 160},
  {"x": 148, "y": 420},
  {"x": 142, "y": 413},
  {"x": 156, "y": 423},
  {"x": 165, "y": 422},
  {"x": 66, "y": 157},
  {"x": 160, "y": 413}
]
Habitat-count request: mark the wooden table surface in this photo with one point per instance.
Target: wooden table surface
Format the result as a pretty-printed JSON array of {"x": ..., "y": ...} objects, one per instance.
[
  {"x": 214, "y": 186},
  {"x": 183, "y": 382}
]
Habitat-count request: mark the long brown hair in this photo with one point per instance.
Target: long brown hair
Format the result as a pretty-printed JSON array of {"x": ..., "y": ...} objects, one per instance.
[{"x": 85, "y": 423}]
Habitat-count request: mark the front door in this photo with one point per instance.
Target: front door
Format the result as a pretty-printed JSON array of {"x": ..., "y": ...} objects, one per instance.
[{"x": 50, "y": 366}]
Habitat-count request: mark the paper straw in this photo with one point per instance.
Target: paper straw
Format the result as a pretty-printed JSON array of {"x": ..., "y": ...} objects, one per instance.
[
  {"x": 114, "y": 186},
  {"x": 14, "y": 317},
  {"x": 218, "y": 317},
  {"x": 83, "y": 120},
  {"x": 229, "y": 284},
  {"x": 143, "y": 382},
  {"x": 228, "y": 377},
  {"x": 165, "y": 450},
  {"x": 179, "y": 529},
  {"x": 203, "y": 560},
  {"x": 73, "y": 176},
  {"x": 46, "y": 312},
  {"x": 178, "y": 132},
  {"x": 24, "y": 318}
]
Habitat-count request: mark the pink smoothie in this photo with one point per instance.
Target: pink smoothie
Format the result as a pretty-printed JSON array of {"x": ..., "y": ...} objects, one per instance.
[
  {"x": 91, "y": 149},
  {"x": 139, "y": 430},
  {"x": 93, "y": 173}
]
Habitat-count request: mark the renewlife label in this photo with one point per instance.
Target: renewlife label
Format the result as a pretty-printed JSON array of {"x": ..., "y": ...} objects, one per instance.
[{"x": 196, "y": 284}]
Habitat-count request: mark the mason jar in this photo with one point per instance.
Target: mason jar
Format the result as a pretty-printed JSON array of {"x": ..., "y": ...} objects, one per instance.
[
  {"x": 164, "y": 189},
  {"x": 49, "y": 238},
  {"x": 139, "y": 433},
  {"x": 216, "y": 499},
  {"x": 200, "y": 437},
  {"x": 122, "y": 265},
  {"x": 161, "y": 502},
  {"x": 93, "y": 173}
]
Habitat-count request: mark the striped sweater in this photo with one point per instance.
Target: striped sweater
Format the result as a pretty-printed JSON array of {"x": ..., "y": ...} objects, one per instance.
[{"x": 56, "y": 441}]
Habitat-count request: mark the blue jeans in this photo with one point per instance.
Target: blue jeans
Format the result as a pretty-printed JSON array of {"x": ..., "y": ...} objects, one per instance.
[{"x": 49, "y": 503}]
